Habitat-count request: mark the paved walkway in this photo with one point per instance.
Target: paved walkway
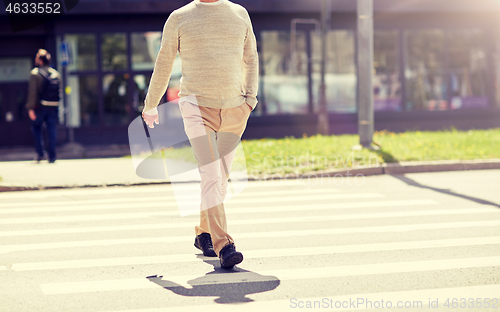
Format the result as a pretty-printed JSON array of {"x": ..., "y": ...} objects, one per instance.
[
  {"x": 79, "y": 173},
  {"x": 77, "y": 168},
  {"x": 69, "y": 172}
]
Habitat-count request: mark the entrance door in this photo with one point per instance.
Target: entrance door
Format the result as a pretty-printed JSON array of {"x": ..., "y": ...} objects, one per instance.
[{"x": 14, "y": 121}]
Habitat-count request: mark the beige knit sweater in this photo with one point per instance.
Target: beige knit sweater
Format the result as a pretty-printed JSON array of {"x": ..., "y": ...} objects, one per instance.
[{"x": 217, "y": 46}]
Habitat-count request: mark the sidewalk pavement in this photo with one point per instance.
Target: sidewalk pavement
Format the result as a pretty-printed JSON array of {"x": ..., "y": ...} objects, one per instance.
[
  {"x": 77, "y": 166},
  {"x": 99, "y": 172}
]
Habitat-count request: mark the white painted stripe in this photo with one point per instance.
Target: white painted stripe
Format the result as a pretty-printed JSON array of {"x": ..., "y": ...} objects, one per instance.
[
  {"x": 231, "y": 208},
  {"x": 140, "y": 197},
  {"x": 90, "y": 191},
  {"x": 165, "y": 191},
  {"x": 97, "y": 286},
  {"x": 410, "y": 296},
  {"x": 163, "y": 202},
  {"x": 270, "y": 275},
  {"x": 3, "y": 268},
  {"x": 265, "y": 253},
  {"x": 91, "y": 229},
  {"x": 177, "y": 224},
  {"x": 276, "y": 234},
  {"x": 156, "y": 226}
]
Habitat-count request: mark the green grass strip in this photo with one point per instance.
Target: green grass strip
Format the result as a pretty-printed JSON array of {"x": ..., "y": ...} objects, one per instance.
[{"x": 322, "y": 153}]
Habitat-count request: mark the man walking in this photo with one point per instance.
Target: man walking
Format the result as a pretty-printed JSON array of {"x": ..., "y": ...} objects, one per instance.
[
  {"x": 218, "y": 91},
  {"x": 44, "y": 93}
]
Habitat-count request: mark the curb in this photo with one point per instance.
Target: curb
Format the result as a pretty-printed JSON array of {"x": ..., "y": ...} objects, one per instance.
[
  {"x": 411, "y": 167},
  {"x": 390, "y": 169},
  {"x": 4, "y": 188}
]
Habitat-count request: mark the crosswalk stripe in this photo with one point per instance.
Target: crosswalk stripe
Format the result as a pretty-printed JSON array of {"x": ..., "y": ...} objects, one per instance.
[
  {"x": 91, "y": 191},
  {"x": 163, "y": 202},
  {"x": 270, "y": 275},
  {"x": 230, "y": 209},
  {"x": 367, "y": 229},
  {"x": 165, "y": 193},
  {"x": 252, "y": 186},
  {"x": 176, "y": 224},
  {"x": 418, "y": 298},
  {"x": 274, "y": 234},
  {"x": 265, "y": 253},
  {"x": 164, "y": 197}
]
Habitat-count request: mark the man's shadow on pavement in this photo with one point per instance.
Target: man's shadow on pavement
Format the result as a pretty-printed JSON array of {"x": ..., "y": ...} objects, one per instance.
[
  {"x": 444, "y": 191},
  {"x": 230, "y": 286}
]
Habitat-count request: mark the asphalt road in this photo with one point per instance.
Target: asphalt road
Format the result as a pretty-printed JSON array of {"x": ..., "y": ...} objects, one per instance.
[{"x": 361, "y": 243}]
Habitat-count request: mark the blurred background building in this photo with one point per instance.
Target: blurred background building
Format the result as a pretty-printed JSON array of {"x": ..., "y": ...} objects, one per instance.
[{"x": 436, "y": 66}]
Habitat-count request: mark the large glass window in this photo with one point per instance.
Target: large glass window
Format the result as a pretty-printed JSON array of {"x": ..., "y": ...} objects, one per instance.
[
  {"x": 145, "y": 48},
  {"x": 285, "y": 78},
  {"x": 446, "y": 69},
  {"x": 114, "y": 51},
  {"x": 426, "y": 85},
  {"x": 116, "y": 110},
  {"x": 386, "y": 79},
  {"x": 83, "y": 109},
  {"x": 83, "y": 48},
  {"x": 340, "y": 71},
  {"x": 467, "y": 69}
]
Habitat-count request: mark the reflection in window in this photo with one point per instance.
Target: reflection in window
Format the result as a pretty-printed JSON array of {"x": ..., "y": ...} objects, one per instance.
[
  {"x": 20, "y": 97},
  {"x": 83, "y": 50},
  {"x": 2, "y": 105},
  {"x": 114, "y": 51},
  {"x": 285, "y": 73},
  {"x": 141, "y": 85},
  {"x": 174, "y": 84},
  {"x": 145, "y": 48},
  {"x": 386, "y": 81},
  {"x": 340, "y": 71},
  {"x": 116, "y": 110},
  {"x": 467, "y": 69},
  {"x": 82, "y": 101},
  {"x": 446, "y": 69},
  {"x": 426, "y": 86}
]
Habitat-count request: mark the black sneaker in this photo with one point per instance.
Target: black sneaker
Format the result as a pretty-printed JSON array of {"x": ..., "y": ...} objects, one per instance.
[
  {"x": 204, "y": 243},
  {"x": 229, "y": 257},
  {"x": 38, "y": 159}
]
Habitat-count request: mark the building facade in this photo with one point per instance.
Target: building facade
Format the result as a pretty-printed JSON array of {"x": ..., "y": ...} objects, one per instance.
[{"x": 436, "y": 65}]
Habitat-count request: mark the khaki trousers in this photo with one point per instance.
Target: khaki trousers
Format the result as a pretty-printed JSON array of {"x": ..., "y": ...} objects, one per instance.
[{"x": 214, "y": 135}]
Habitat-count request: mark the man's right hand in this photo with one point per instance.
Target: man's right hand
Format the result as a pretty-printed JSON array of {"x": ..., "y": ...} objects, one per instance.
[
  {"x": 151, "y": 119},
  {"x": 32, "y": 114}
]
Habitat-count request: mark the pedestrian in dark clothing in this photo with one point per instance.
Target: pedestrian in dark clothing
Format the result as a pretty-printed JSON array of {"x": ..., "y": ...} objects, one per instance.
[{"x": 44, "y": 94}]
